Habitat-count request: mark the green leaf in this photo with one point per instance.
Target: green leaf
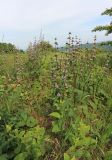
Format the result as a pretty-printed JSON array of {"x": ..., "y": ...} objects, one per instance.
[
  {"x": 83, "y": 129},
  {"x": 21, "y": 124},
  {"x": 78, "y": 153},
  {"x": 24, "y": 116},
  {"x": 3, "y": 157},
  {"x": 55, "y": 114},
  {"x": 8, "y": 128},
  {"x": 56, "y": 127},
  {"x": 21, "y": 156},
  {"x": 86, "y": 141},
  {"x": 31, "y": 122},
  {"x": 66, "y": 156}
]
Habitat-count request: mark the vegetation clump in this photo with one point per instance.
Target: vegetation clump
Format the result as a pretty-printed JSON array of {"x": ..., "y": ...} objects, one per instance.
[{"x": 56, "y": 105}]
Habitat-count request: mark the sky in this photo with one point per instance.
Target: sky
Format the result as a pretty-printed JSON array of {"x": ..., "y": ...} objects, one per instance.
[{"x": 23, "y": 20}]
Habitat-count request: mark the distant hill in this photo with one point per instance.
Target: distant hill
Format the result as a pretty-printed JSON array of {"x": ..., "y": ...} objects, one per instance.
[
  {"x": 98, "y": 45},
  {"x": 91, "y": 45}
]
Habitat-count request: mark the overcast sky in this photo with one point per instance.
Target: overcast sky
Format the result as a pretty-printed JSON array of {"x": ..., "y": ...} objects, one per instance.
[{"x": 22, "y": 20}]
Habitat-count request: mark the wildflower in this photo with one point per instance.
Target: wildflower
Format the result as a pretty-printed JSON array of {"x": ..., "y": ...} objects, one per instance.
[
  {"x": 56, "y": 85},
  {"x": 58, "y": 95}
]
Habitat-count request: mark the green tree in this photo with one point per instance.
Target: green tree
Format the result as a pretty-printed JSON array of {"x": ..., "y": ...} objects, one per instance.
[
  {"x": 107, "y": 28},
  {"x": 8, "y": 48}
]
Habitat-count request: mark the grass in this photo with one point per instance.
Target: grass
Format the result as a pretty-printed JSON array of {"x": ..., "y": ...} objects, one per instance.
[
  {"x": 56, "y": 105},
  {"x": 8, "y": 60}
]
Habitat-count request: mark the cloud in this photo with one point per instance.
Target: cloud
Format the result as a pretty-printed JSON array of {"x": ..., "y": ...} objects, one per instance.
[{"x": 30, "y": 14}]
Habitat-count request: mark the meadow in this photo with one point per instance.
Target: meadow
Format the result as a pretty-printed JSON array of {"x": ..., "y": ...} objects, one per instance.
[{"x": 56, "y": 105}]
